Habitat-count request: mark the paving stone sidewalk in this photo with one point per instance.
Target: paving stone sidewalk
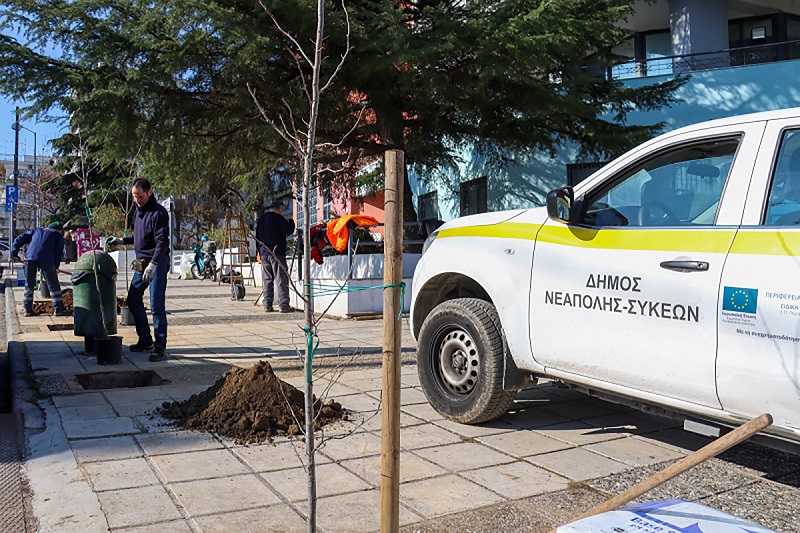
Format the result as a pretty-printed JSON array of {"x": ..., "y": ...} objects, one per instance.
[{"x": 555, "y": 454}]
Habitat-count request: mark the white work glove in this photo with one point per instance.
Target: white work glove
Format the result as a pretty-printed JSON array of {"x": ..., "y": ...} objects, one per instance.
[
  {"x": 113, "y": 241},
  {"x": 149, "y": 272}
]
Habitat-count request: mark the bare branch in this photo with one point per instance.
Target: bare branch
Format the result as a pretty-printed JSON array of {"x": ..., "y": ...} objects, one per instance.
[{"x": 286, "y": 33}]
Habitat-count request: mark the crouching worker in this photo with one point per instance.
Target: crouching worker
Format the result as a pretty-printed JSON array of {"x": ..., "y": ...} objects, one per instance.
[{"x": 44, "y": 252}]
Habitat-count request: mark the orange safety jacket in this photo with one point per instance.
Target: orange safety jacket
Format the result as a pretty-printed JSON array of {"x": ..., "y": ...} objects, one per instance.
[{"x": 339, "y": 229}]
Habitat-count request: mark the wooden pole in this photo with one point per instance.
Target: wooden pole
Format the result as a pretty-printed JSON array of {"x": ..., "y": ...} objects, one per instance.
[
  {"x": 392, "y": 307},
  {"x": 708, "y": 451}
]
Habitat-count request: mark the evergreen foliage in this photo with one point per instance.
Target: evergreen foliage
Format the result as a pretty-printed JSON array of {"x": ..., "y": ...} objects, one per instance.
[{"x": 168, "y": 80}]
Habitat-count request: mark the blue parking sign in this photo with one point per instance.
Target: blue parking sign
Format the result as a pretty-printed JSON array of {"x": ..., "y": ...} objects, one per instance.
[{"x": 12, "y": 197}]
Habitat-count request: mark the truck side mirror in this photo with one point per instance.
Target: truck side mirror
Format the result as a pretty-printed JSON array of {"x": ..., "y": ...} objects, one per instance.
[{"x": 559, "y": 204}]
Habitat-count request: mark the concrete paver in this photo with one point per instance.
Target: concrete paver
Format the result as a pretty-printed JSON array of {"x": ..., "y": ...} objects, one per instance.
[{"x": 129, "y": 470}]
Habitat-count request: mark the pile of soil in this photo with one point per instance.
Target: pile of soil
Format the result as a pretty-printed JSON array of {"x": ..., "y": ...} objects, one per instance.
[
  {"x": 45, "y": 307},
  {"x": 250, "y": 405}
]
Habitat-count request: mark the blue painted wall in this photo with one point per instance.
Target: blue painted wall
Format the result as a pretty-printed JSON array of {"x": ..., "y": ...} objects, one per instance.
[{"x": 524, "y": 181}]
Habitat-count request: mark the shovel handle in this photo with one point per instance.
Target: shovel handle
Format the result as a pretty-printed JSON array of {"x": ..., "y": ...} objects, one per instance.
[{"x": 708, "y": 451}]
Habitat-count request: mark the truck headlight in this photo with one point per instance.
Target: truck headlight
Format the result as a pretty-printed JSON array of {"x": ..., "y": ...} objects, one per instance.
[{"x": 429, "y": 241}]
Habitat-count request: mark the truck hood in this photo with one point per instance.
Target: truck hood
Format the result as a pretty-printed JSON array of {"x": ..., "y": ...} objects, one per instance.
[{"x": 484, "y": 219}]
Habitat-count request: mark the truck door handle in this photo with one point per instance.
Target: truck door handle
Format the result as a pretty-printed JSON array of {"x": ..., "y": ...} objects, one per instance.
[{"x": 685, "y": 266}]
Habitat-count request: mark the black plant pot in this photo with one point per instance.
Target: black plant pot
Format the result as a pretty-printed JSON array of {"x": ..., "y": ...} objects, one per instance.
[
  {"x": 89, "y": 346},
  {"x": 109, "y": 350}
]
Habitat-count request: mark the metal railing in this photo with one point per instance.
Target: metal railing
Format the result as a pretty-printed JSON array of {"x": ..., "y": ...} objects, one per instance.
[{"x": 732, "y": 57}]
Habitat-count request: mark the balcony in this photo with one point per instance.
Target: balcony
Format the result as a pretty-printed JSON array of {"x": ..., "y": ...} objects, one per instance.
[{"x": 733, "y": 57}]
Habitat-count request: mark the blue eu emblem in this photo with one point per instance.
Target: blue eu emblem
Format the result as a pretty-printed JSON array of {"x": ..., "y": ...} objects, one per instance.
[{"x": 740, "y": 300}]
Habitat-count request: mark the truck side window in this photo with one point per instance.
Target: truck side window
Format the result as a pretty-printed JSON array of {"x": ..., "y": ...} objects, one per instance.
[
  {"x": 783, "y": 205},
  {"x": 677, "y": 187}
]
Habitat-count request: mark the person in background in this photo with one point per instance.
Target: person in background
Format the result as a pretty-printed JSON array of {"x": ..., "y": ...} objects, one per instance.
[
  {"x": 45, "y": 250},
  {"x": 70, "y": 248},
  {"x": 151, "y": 243},
  {"x": 271, "y": 233}
]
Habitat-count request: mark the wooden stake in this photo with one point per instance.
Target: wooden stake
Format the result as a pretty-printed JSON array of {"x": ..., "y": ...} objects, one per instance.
[
  {"x": 392, "y": 306},
  {"x": 708, "y": 451}
]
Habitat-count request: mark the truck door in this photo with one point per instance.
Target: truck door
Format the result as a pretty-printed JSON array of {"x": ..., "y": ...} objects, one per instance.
[
  {"x": 626, "y": 294},
  {"x": 758, "y": 366}
]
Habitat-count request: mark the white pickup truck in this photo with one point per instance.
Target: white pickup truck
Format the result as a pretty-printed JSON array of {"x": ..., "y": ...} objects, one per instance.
[{"x": 669, "y": 279}]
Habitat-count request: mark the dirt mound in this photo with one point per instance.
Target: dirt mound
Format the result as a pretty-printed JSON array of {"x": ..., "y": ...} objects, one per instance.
[
  {"x": 249, "y": 405},
  {"x": 45, "y": 307}
]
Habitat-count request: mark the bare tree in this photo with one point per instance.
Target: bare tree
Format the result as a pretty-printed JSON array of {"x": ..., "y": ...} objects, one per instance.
[{"x": 302, "y": 138}]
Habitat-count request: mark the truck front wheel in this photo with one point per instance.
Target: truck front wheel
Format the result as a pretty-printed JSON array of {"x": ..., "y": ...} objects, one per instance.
[{"x": 460, "y": 358}]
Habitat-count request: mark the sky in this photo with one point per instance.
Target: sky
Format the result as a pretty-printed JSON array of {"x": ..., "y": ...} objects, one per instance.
[{"x": 45, "y": 131}]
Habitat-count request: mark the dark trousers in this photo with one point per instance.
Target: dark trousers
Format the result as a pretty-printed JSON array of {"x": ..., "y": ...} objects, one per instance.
[
  {"x": 273, "y": 270},
  {"x": 50, "y": 274},
  {"x": 158, "y": 290}
]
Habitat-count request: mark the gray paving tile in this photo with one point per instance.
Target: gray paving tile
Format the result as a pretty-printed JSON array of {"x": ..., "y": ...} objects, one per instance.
[
  {"x": 425, "y": 436},
  {"x": 445, "y": 495},
  {"x": 523, "y": 443},
  {"x": 531, "y": 417},
  {"x": 219, "y": 495},
  {"x": 412, "y": 468},
  {"x": 120, "y": 474},
  {"x": 79, "y": 400},
  {"x": 517, "y": 480},
  {"x": 198, "y": 465},
  {"x": 634, "y": 452},
  {"x": 578, "y": 464},
  {"x": 133, "y": 507},
  {"x": 101, "y": 427},
  {"x": 105, "y": 449},
  {"x": 463, "y": 456},
  {"x": 580, "y": 409},
  {"x": 331, "y": 479},
  {"x": 422, "y": 411},
  {"x": 273, "y": 518},
  {"x": 86, "y": 412},
  {"x": 177, "y": 442},
  {"x": 363, "y": 513},
  {"x": 351, "y": 446},
  {"x": 269, "y": 457},
  {"x": 174, "y": 526},
  {"x": 578, "y": 433}
]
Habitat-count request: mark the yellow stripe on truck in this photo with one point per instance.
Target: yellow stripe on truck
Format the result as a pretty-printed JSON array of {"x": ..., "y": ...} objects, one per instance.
[
  {"x": 767, "y": 242},
  {"x": 612, "y": 239},
  {"x": 707, "y": 240}
]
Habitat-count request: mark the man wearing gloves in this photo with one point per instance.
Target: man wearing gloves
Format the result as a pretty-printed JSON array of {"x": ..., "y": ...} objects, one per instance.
[
  {"x": 151, "y": 243},
  {"x": 45, "y": 251}
]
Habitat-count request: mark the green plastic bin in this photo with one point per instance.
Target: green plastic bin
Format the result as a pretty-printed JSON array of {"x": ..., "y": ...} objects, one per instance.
[{"x": 93, "y": 309}]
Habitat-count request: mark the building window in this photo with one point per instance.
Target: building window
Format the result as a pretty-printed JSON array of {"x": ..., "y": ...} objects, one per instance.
[
  {"x": 327, "y": 207},
  {"x": 313, "y": 205},
  {"x": 428, "y": 205},
  {"x": 474, "y": 197},
  {"x": 577, "y": 172}
]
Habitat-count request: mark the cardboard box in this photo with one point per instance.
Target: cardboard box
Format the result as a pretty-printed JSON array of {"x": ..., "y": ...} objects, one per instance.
[{"x": 664, "y": 516}]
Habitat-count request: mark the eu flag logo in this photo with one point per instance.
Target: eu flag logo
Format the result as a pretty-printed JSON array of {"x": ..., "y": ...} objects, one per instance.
[{"x": 740, "y": 300}]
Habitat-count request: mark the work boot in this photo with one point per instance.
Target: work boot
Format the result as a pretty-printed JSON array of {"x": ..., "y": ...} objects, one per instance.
[
  {"x": 29, "y": 313},
  {"x": 269, "y": 309},
  {"x": 159, "y": 354},
  {"x": 62, "y": 312},
  {"x": 142, "y": 346},
  {"x": 288, "y": 309}
]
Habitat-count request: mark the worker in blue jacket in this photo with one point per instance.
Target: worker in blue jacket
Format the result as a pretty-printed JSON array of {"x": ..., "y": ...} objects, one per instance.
[{"x": 45, "y": 250}]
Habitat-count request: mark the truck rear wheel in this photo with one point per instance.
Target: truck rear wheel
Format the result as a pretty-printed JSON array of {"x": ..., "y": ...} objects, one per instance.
[{"x": 460, "y": 358}]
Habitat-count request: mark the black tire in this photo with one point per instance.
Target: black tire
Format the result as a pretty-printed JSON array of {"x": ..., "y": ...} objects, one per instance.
[
  {"x": 196, "y": 272},
  {"x": 466, "y": 335}
]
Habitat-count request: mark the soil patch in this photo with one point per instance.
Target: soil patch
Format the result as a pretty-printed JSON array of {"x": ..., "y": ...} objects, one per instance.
[
  {"x": 45, "y": 307},
  {"x": 250, "y": 405}
]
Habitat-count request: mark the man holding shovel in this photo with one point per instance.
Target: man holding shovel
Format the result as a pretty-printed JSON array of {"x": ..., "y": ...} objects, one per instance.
[
  {"x": 45, "y": 252},
  {"x": 151, "y": 243}
]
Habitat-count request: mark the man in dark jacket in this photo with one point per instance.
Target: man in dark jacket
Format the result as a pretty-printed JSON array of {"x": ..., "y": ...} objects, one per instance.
[
  {"x": 44, "y": 252},
  {"x": 271, "y": 234},
  {"x": 151, "y": 243}
]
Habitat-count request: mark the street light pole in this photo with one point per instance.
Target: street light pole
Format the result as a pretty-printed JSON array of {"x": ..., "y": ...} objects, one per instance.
[{"x": 16, "y": 169}]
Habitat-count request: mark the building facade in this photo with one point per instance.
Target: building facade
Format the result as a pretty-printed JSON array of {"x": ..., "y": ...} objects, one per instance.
[{"x": 741, "y": 57}]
